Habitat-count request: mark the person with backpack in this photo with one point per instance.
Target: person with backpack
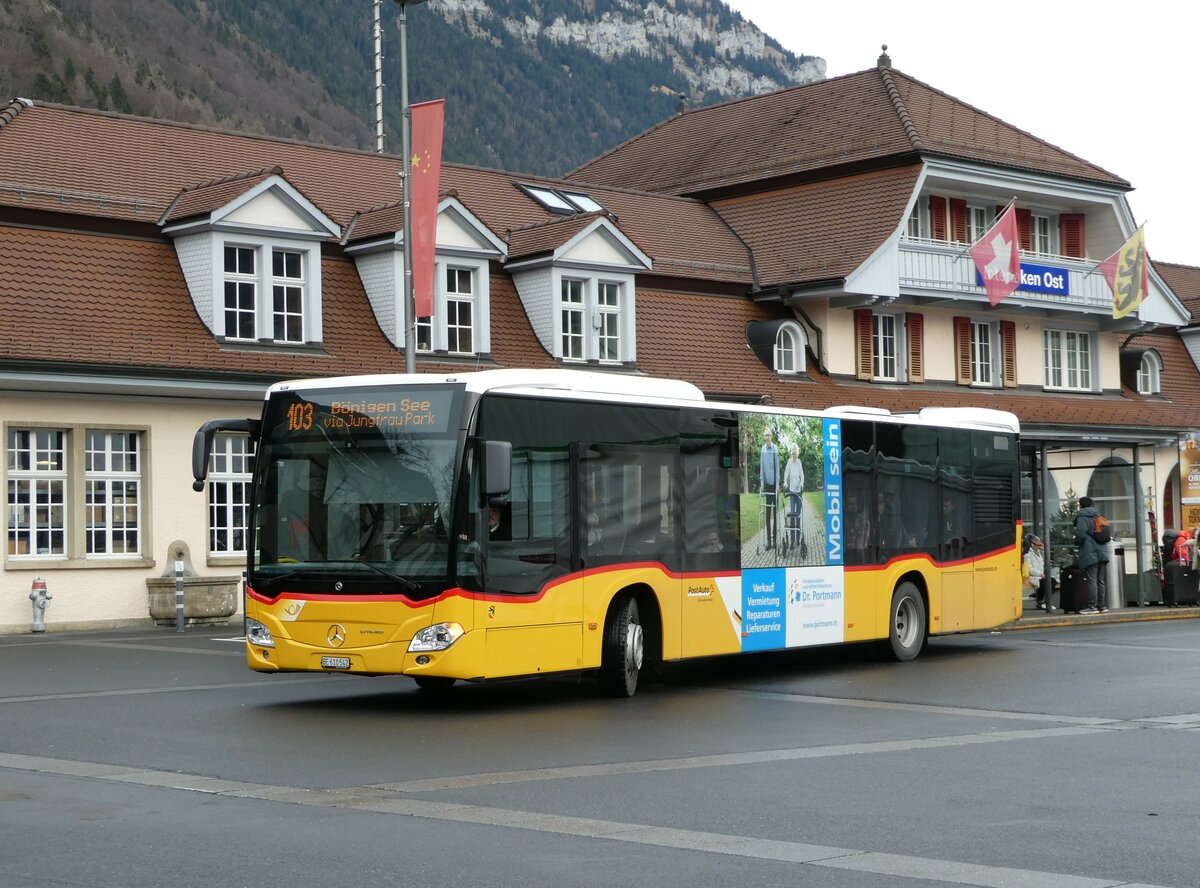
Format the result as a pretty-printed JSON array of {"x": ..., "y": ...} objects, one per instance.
[{"x": 1092, "y": 535}]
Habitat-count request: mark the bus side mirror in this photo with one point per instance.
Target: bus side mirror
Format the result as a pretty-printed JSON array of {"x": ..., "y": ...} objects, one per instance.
[
  {"x": 497, "y": 471},
  {"x": 202, "y": 443}
]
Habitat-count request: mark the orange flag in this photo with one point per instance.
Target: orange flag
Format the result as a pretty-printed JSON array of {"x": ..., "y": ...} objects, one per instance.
[
  {"x": 424, "y": 176},
  {"x": 1128, "y": 274}
]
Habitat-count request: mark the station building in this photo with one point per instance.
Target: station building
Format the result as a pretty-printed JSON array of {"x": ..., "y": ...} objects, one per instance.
[{"x": 806, "y": 248}]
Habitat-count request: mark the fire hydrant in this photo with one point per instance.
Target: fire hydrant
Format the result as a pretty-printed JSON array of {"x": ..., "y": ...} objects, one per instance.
[{"x": 40, "y": 598}]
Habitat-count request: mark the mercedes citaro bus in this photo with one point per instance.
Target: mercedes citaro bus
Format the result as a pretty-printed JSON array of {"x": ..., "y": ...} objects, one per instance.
[{"x": 509, "y": 523}]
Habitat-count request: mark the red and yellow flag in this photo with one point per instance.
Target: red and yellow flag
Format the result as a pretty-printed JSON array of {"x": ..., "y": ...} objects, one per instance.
[
  {"x": 1128, "y": 274},
  {"x": 424, "y": 175}
]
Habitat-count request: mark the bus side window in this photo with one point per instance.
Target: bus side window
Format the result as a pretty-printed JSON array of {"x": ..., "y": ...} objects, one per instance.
[{"x": 858, "y": 464}]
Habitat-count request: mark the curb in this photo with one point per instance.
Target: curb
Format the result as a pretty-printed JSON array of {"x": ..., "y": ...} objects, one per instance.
[{"x": 1123, "y": 615}]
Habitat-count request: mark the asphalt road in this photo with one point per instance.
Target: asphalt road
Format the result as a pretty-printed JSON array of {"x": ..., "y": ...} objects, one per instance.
[{"x": 1063, "y": 757}]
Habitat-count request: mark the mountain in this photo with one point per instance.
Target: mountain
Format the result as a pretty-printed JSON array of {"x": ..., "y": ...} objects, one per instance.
[{"x": 536, "y": 86}]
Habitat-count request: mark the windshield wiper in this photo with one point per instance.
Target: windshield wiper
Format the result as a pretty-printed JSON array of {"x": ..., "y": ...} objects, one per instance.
[
  {"x": 267, "y": 582},
  {"x": 404, "y": 581}
]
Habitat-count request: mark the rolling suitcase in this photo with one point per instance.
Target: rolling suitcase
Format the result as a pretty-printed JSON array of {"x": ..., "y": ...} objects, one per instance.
[
  {"x": 1182, "y": 585},
  {"x": 1072, "y": 590}
]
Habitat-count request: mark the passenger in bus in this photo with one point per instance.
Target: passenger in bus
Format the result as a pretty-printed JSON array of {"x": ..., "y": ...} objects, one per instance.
[
  {"x": 954, "y": 531},
  {"x": 498, "y": 528},
  {"x": 768, "y": 482}
]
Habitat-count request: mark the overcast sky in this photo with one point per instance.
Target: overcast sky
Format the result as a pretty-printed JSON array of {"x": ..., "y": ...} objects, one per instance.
[{"x": 1113, "y": 83}]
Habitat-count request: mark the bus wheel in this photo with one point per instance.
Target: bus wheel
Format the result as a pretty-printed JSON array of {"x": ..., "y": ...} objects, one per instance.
[
  {"x": 434, "y": 683},
  {"x": 906, "y": 633},
  {"x": 624, "y": 648}
]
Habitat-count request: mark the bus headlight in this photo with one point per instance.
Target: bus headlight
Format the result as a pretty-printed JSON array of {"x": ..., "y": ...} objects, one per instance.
[
  {"x": 259, "y": 635},
  {"x": 437, "y": 637}
]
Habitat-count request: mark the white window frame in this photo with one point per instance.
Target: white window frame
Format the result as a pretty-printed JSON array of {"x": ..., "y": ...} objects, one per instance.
[
  {"x": 434, "y": 333},
  {"x": 572, "y": 300},
  {"x": 42, "y": 475},
  {"x": 984, "y": 344},
  {"x": 113, "y": 500},
  {"x": 598, "y": 319},
  {"x": 1068, "y": 359},
  {"x": 287, "y": 286},
  {"x": 608, "y": 321},
  {"x": 1041, "y": 236},
  {"x": 241, "y": 281},
  {"x": 460, "y": 300},
  {"x": 229, "y": 480},
  {"x": 1149, "y": 376},
  {"x": 914, "y": 224},
  {"x": 887, "y": 330},
  {"x": 100, "y": 500},
  {"x": 978, "y": 220},
  {"x": 266, "y": 283},
  {"x": 790, "y": 345}
]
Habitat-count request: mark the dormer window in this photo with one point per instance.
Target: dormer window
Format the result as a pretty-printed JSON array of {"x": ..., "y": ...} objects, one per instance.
[
  {"x": 457, "y": 304},
  {"x": 1149, "y": 374},
  {"x": 250, "y": 250},
  {"x": 251, "y": 318},
  {"x": 789, "y": 349}
]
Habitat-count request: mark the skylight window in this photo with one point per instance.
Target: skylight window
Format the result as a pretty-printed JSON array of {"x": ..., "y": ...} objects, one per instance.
[
  {"x": 582, "y": 201},
  {"x": 562, "y": 201}
]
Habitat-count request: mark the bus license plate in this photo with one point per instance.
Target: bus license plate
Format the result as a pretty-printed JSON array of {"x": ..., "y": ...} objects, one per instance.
[{"x": 335, "y": 662}]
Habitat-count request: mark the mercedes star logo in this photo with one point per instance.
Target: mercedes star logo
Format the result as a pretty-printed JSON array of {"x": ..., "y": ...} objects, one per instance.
[{"x": 336, "y": 635}]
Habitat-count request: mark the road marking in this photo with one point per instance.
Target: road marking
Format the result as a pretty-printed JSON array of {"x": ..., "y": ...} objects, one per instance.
[
  {"x": 372, "y": 799},
  {"x": 136, "y": 692},
  {"x": 722, "y": 760}
]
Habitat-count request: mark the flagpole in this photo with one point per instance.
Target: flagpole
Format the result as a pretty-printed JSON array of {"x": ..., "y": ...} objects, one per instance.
[{"x": 410, "y": 308}]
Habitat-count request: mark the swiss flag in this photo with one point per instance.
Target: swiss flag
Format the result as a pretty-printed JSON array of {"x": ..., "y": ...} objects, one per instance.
[{"x": 996, "y": 258}]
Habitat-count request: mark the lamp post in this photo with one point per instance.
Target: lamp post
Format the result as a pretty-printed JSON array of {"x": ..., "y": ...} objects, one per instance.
[{"x": 410, "y": 308}]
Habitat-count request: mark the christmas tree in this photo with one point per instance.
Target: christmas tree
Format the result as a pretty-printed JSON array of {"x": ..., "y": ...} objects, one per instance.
[{"x": 1063, "y": 550}]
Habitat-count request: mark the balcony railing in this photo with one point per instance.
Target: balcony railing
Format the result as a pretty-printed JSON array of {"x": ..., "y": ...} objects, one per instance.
[{"x": 937, "y": 269}]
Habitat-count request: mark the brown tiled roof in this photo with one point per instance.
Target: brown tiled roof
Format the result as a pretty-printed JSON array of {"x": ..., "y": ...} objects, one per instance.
[
  {"x": 546, "y": 237},
  {"x": 1184, "y": 281},
  {"x": 872, "y": 117},
  {"x": 381, "y": 221},
  {"x": 199, "y": 200},
  {"x": 85, "y": 299},
  {"x": 125, "y": 168},
  {"x": 822, "y": 230}
]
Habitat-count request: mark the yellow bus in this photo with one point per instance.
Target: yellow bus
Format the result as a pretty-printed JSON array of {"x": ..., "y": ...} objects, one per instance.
[{"x": 509, "y": 523}]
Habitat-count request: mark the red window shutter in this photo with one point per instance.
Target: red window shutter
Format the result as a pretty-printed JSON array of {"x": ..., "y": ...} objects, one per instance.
[
  {"x": 1071, "y": 229},
  {"x": 915, "y": 323},
  {"x": 937, "y": 217},
  {"x": 1025, "y": 228},
  {"x": 962, "y": 350},
  {"x": 958, "y": 219},
  {"x": 863, "y": 328},
  {"x": 1008, "y": 352}
]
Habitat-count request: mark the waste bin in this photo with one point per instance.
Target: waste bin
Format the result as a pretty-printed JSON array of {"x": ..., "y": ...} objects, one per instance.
[{"x": 1116, "y": 575}]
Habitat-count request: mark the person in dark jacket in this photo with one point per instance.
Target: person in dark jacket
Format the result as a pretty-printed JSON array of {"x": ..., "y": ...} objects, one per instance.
[{"x": 1093, "y": 558}]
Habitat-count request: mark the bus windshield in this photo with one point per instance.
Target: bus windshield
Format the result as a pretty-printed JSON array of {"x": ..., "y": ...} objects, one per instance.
[{"x": 353, "y": 490}]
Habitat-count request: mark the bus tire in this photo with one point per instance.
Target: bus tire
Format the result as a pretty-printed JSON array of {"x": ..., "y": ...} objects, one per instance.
[
  {"x": 434, "y": 684},
  {"x": 624, "y": 651},
  {"x": 906, "y": 623}
]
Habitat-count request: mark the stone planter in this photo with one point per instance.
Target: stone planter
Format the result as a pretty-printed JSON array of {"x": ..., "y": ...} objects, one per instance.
[{"x": 206, "y": 600}]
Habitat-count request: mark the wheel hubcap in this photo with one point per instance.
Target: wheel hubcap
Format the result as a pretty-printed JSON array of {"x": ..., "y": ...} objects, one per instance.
[{"x": 633, "y": 647}]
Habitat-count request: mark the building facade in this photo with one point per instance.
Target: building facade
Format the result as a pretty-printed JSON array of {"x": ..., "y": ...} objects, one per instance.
[{"x": 807, "y": 248}]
